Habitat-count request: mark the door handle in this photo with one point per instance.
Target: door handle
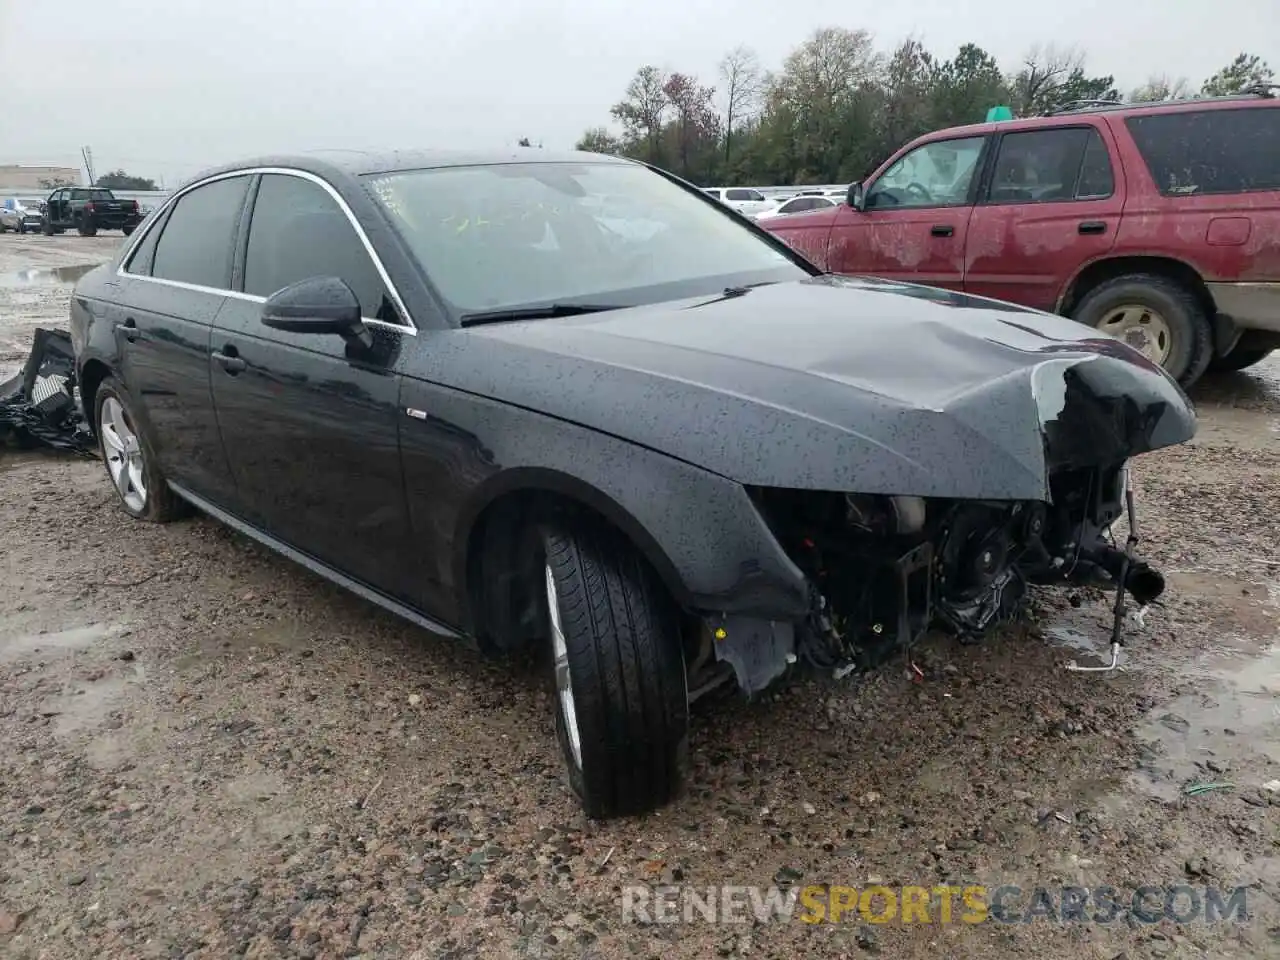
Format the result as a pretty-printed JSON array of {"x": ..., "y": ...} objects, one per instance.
[
  {"x": 1092, "y": 226},
  {"x": 130, "y": 329},
  {"x": 231, "y": 361},
  {"x": 942, "y": 230}
]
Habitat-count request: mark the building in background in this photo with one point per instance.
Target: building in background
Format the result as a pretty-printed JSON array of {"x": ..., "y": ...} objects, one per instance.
[{"x": 20, "y": 178}]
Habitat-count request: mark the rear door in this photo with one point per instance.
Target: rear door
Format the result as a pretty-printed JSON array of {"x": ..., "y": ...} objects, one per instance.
[
  {"x": 172, "y": 286},
  {"x": 915, "y": 216},
  {"x": 1052, "y": 205},
  {"x": 311, "y": 423}
]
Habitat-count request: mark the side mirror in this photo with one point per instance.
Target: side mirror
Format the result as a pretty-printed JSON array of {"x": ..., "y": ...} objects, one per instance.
[
  {"x": 856, "y": 198},
  {"x": 316, "y": 305}
]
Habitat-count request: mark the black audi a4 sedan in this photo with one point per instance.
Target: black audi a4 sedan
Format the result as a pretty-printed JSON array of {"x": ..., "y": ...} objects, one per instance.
[{"x": 569, "y": 400}]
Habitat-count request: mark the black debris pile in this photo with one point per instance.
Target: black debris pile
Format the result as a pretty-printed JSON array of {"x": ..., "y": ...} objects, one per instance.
[{"x": 38, "y": 407}]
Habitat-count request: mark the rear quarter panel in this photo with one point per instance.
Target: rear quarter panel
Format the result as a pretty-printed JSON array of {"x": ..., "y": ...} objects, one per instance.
[{"x": 1226, "y": 237}]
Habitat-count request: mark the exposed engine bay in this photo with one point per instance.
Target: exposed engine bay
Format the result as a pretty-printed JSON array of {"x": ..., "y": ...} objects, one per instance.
[{"x": 884, "y": 570}]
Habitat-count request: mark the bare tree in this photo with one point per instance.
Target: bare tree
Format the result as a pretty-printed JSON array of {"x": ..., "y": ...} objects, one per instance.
[
  {"x": 1162, "y": 87},
  {"x": 743, "y": 86}
]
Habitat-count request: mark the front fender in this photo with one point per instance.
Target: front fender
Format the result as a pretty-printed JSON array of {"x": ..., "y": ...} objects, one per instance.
[{"x": 701, "y": 531}]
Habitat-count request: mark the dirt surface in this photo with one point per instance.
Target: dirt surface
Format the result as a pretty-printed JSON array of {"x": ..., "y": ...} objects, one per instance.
[{"x": 210, "y": 752}]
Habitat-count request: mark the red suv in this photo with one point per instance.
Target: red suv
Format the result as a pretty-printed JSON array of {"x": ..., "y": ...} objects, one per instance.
[{"x": 1157, "y": 223}]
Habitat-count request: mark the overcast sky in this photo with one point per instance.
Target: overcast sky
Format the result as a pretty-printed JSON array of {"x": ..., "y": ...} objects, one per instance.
[{"x": 165, "y": 89}]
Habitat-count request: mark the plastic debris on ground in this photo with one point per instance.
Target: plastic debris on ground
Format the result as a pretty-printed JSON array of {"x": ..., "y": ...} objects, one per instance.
[{"x": 38, "y": 406}]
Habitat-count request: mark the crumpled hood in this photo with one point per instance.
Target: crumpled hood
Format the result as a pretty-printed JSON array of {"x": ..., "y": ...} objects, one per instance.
[{"x": 840, "y": 384}]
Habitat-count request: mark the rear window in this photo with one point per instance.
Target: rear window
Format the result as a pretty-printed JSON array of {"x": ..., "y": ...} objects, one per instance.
[
  {"x": 91, "y": 195},
  {"x": 1211, "y": 151}
]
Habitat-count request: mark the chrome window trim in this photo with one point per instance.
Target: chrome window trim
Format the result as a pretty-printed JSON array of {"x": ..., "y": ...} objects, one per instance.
[{"x": 408, "y": 327}]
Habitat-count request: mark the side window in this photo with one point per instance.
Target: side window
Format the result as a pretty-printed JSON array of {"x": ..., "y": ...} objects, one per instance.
[
  {"x": 755, "y": 195},
  {"x": 1039, "y": 166},
  {"x": 195, "y": 246},
  {"x": 1210, "y": 151},
  {"x": 140, "y": 262},
  {"x": 298, "y": 231},
  {"x": 738, "y": 194},
  {"x": 936, "y": 174},
  {"x": 1096, "y": 179}
]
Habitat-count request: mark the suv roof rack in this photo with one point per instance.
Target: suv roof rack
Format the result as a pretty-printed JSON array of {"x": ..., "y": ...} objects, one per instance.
[
  {"x": 1072, "y": 106},
  {"x": 1262, "y": 90}
]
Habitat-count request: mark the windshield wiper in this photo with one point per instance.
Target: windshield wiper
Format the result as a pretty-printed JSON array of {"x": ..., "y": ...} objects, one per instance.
[
  {"x": 543, "y": 311},
  {"x": 730, "y": 292}
]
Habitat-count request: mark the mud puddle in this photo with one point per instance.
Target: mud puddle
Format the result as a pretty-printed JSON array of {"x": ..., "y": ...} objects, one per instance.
[
  {"x": 46, "y": 275},
  {"x": 1226, "y": 732}
]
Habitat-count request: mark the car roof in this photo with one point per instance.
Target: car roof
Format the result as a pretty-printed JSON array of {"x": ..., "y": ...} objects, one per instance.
[
  {"x": 1099, "y": 107},
  {"x": 358, "y": 163}
]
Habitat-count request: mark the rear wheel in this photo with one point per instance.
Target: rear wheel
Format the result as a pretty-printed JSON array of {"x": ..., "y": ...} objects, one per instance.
[
  {"x": 1156, "y": 316},
  {"x": 129, "y": 458},
  {"x": 618, "y": 681}
]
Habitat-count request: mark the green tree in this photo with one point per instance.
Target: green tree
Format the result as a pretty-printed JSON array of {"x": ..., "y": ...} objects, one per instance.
[
  {"x": 119, "y": 180},
  {"x": 599, "y": 140},
  {"x": 1246, "y": 70}
]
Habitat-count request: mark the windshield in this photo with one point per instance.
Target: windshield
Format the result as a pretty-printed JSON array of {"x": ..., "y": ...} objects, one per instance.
[{"x": 514, "y": 235}]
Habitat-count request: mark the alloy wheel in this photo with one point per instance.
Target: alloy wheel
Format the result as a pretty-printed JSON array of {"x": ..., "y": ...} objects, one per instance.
[
  {"x": 124, "y": 456},
  {"x": 564, "y": 684}
]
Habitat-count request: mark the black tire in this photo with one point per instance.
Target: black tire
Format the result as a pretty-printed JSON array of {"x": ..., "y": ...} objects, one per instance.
[
  {"x": 87, "y": 227},
  {"x": 626, "y": 671},
  {"x": 161, "y": 504},
  {"x": 128, "y": 229},
  {"x": 1190, "y": 347},
  {"x": 1239, "y": 359}
]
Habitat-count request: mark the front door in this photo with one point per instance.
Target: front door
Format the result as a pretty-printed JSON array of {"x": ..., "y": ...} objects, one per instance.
[
  {"x": 174, "y": 284},
  {"x": 1052, "y": 206},
  {"x": 311, "y": 423},
  {"x": 914, "y": 219}
]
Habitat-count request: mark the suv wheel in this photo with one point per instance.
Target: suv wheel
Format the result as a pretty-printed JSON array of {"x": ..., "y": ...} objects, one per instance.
[
  {"x": 130, "y": 460},
  {"x": 1157, "y": 317},
  {"x": 617, "y": 673}
]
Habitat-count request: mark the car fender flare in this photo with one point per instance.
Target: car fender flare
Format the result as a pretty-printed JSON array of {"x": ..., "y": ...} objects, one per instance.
[{"x": 534, "y": 480}]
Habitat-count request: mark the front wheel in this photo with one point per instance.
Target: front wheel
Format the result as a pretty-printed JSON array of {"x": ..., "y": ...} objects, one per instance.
[
  {"x": 130, "y": 460},
  {"x": 1156, "y": 316},
  {"x": 618, "y": 681}
]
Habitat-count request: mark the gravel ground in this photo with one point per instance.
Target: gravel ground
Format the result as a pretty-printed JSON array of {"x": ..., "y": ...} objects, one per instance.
[{"x": 210, "y": 752}]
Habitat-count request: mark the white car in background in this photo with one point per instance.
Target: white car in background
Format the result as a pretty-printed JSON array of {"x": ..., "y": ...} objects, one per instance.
[
  {"x": 798, "y": 205},
  {"x": 746, "y": 201}
]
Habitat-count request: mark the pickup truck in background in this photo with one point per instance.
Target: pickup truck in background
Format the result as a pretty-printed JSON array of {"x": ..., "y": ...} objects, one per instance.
[
  {"x": 88, "y": 210},
  {"x": 1158, "y": 223}
]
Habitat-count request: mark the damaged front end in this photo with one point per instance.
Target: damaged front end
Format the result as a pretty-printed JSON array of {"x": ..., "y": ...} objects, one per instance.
[{"x": 884, "y": 569}]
